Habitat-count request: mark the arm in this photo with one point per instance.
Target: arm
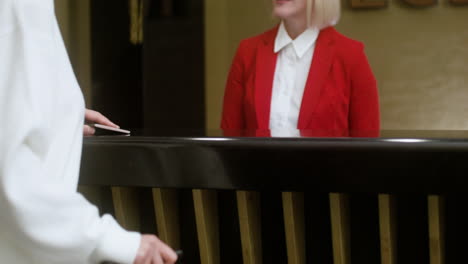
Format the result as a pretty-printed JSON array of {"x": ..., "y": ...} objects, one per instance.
[
  {"x": 233, "y": 116},
  {"x": 364, "y": 116},
  {"x": 41, "y": 215}
]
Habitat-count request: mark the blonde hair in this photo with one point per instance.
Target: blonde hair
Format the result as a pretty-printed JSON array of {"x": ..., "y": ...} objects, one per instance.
[{"x": 323, "y": 13}]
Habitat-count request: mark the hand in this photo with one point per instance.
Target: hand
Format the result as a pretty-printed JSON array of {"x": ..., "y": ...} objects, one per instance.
[
  {"x": 92, "y": 116},
  {"x": 154, "y": 251}
]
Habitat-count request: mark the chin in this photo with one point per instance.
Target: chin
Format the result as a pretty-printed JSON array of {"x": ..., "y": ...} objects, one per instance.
[
  {"x": 281, "y": 14},
  {"x": 285, "y": 12}
]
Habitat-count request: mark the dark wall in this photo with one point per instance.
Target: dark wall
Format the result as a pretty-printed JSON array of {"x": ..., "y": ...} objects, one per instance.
[
  {"x": 116, "y": 65},
  {"x": 159, "y": 84},
  {"x": 173, "y": 65}
]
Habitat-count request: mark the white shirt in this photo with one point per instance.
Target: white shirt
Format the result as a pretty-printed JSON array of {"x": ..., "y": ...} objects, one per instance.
[
  {"x": 43, "y": 219},
  {"x": 292, "y": 70}
]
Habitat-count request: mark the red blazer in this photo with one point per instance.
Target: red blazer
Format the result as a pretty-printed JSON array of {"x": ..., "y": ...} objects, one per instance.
[{"x": 340, "y": 97}]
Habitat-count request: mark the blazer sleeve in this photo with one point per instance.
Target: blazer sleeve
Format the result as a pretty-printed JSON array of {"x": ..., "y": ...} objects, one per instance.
[
  {"x": 364, "y": 115},
  {"x": 233, "y": 112}
]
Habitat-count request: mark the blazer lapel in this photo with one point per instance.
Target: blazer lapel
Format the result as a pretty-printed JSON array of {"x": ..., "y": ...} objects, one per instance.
[
  {"x": 265, "y": 70},
  {"x": 319, "y": 70}
]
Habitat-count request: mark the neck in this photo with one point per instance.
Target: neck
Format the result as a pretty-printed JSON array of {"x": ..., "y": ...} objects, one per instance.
[{"x": 295, "y": 27}]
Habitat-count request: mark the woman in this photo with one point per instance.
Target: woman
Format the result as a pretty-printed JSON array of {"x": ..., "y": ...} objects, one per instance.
[{"x": 304, "y": 75}]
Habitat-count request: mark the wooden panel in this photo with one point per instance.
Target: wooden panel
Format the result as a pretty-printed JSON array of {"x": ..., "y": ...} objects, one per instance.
[
  {"x": 206, "y": 214},
  {"x": 136, "y": 21},
  {"x": 368, "y": 3},
  {"x": 436, "y": 229},
  {"x": 387, "y": 223},
  {"x": 340, "y": 228},
  {"x": 421, "y": 3},
  {"x": 127, "y": 211},
  {"x": 459, "y": 2},
  {"x": 293, "y": 208},
  {"x": 166, "y": 207},
  {"x": 248, "y": 204}
]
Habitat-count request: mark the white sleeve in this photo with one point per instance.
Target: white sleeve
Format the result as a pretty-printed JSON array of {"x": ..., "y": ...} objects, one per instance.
[{"x": 39, "y": 216}]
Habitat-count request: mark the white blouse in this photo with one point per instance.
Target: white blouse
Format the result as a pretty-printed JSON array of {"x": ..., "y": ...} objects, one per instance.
[
  {"x": 292, "y": 70},
  {"x": 43, "y": 219}
]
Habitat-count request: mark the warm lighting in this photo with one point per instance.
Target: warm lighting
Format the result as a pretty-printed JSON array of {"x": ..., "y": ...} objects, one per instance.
[
  {"x": 214, "y": 139},
  {"x": 407, "y": 140}
]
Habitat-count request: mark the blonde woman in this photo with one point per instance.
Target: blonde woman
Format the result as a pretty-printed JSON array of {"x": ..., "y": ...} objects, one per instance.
[{"x": 304, "y": 75}]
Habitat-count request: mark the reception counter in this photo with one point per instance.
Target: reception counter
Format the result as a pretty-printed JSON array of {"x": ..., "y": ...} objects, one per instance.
[
  {"x": 384, "y": 165},
  {"x": 431, "y": 164}
]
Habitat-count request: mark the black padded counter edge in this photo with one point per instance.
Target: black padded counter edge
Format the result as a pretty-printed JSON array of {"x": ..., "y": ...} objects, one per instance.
[{"x": 380, "y": 165}]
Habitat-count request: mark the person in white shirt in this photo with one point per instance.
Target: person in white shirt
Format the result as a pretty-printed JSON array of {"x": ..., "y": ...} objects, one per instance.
[{"x": 44, "y": 220}]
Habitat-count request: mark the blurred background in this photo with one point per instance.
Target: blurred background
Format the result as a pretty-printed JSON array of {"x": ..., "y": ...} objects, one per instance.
[
  {"x": 175, "y": 76},
  {"x": 163, "y": 64}
]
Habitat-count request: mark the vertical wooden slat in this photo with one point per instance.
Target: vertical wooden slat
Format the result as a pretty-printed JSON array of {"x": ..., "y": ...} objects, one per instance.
[
  {"x": 248, "y": 204},
  {"x": 387, "y": 223},
  {"x": 293, "y": 208},
  {"x": 206, "y": 214},
  {"x": 436, "y": 229},
  {"x": 126, "y": 207},
  {"x": 340, "y": 228},
  {"x": 166, "y": 207}
]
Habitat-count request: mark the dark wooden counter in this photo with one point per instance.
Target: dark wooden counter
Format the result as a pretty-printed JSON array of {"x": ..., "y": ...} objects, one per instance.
[
  {"x": 400, "y": 195},
  {"x": 382, "y": 165}
]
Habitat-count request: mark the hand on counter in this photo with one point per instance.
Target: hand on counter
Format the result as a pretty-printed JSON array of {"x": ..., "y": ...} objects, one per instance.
[{"x": 92, "y": 116}]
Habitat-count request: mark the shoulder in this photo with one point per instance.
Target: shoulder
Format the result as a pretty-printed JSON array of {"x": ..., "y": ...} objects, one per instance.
[{"x": 345, "y": 47}]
